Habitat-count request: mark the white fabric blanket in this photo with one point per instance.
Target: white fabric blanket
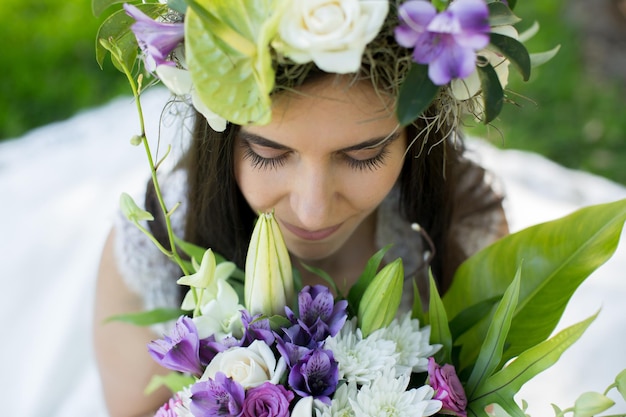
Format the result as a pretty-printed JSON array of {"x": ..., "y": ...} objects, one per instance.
[{"x": 60, "y": 186}]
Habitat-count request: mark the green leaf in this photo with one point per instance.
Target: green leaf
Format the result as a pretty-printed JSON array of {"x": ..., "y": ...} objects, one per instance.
[
  {"x": 358, "y": 289},
  {"x": 417, "y": 310},
  {"x": 415, "y": 95},
  {"x": 99, "y": 6},
  {"x": 493, "y": 96},
  {"x": 228, "y": 55},
  {"x": 558, "y": 256},
  {"x": 500, "y": 14},
  {"x": 539, "y": 58},
  {"x": 179, "y": 5},
  {"x": 174, "y": 381},
  {"x": 438, "y": 320},
  {"x": 467, "y": 318},
  {"x": 148, "y": 318},
  {"x": 324, "y": 275},
  {"x": 590, "y": 404},
  {"x": 514, "y": 51},
  {"x": 117, "y": 28},
  {"x": 491, "y": 351},
  {"x": 504, "y": 384}
]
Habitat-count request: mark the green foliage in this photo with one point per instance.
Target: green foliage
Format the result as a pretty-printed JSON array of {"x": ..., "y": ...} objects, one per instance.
[
  {"x": 50, "y": 71},
  {"x": 562, "y": 112}
]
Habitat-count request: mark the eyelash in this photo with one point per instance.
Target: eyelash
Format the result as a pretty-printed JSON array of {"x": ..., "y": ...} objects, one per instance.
[{"x": 259, "y": 162}]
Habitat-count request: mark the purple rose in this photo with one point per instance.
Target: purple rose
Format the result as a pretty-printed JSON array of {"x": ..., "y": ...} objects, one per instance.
[
  {"x": 267, "y": 400},
  {"x": 448, "y": 388}
]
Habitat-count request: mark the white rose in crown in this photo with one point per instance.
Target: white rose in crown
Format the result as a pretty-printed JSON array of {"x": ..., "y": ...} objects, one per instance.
[
  {"x": 466, "y": 88},
  {"x": 250, "y": 366},
  {"x": 331, "y": 33}
]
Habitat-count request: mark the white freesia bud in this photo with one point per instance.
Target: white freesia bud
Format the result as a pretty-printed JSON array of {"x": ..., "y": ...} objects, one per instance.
[
  {"x": 268, "y": 284},
  {"x": 331, "y": 33},
  {"x": 381, "y": 298}
]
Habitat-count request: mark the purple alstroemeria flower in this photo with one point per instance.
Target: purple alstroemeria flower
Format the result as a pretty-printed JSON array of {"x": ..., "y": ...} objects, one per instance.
[
  {"x": 315, "y": 375},
  {"x": 217, "y": 397},
  {"x": 448, "y": 388},
  {"x": 181, "y": 350},
  {"x": 293, "y": 352},
  {"x": 320, "y": 316},
  {"x": 267, "y": 400},
  {"x": 156, "y": 39},
  {"x": 447, "y": 41},
  {"x": 256, "y": 328},
  {"x": 209, "y": 347}
]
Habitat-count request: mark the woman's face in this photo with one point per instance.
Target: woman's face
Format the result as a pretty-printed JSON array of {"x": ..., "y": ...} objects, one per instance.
[{"x": 325, "y": 162}]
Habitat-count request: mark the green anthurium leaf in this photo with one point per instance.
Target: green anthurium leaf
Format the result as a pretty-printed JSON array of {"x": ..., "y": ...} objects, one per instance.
[
  {"x": 500, "y": 14},
  {"x": 493, "y": 96},
  {"x": 117, "y": 28},
  {"x": 514, "y": 51},
  {"x": 229, "y": 58},
  {"x": 174, "y": 381},
  {"x": 539, "y": 58},
  {"x": 148, "y": 318},
  {"x": 438, "y": 320},
  {"x": 415, "y": 95},
  {"x": 491, "y": 350},
  {"x": 558, "y": 256},
  {"x": 356, "y": 291},
  {"x": 505, "y": 383},
  {"x": 467, "y": 318}
]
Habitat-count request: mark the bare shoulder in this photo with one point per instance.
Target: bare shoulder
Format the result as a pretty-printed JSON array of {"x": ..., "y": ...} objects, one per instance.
[{"x": 124, "y": 363}]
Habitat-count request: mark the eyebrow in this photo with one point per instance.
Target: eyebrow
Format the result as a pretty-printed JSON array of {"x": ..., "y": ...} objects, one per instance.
[{"x": 368, "y": 144}]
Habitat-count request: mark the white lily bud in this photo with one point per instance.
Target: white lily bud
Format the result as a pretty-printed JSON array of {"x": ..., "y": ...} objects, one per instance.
[
  {"x": 381, "y": 298},
  {"x": 269, "y": 284}
]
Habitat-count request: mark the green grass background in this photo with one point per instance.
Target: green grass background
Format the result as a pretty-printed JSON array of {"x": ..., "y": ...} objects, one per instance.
[{"x": 49, "y": 73}]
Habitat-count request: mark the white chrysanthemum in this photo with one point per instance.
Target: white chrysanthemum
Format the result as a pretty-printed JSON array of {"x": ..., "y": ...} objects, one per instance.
[
  {"x": 412, "y": 344},
  {"x": 341, "y": 405},
  {"x": 388, "y": 396},
  {"x": 361, "y": 360}
]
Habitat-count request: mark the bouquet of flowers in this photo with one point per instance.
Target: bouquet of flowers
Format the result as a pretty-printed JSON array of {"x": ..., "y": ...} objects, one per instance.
[{"x": 254, "y": 342}]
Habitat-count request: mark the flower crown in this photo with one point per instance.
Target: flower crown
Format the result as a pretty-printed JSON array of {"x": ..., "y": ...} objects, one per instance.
[{"x": 223, "y": 55}]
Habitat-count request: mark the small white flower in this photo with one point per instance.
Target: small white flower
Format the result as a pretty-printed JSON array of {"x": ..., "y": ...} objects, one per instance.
[
  {"x": 178, "y": 81},
  {"x": 466, "y": 88},
  {"x": 388, "y": 396},
  {"x": 183, "y": 408},
  {"x": 221, "y": 316},
  {"x": 250, "y": 366},
  {"x": 341, "y": 405},
  {"x": 412, "y": 344},
  {"x": 361, "y": 360},
  {"x": 331, "y": 33}
]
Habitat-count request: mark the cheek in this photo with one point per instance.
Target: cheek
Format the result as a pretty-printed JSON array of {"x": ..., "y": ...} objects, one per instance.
[{"x": 259, "y": 187}]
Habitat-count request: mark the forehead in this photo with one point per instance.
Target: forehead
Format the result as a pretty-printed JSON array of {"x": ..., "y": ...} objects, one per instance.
[{"x": 332, "y": 112}]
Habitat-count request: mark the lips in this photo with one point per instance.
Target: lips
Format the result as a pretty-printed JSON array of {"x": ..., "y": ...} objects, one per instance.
[{"x": 311, "y": 234}]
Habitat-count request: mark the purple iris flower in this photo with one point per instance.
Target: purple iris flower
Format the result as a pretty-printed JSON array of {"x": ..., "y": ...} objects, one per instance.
[
  {"x": 447, "y": 41},
  {"x": 256, "y": 328},
  {"x": 217, "y": 397},
  {"x": 156, "y": 39},
  {"x": 181, "y": 350},
  {"x": 320, "y": 316},
  {"x": 316, "y": 375}
]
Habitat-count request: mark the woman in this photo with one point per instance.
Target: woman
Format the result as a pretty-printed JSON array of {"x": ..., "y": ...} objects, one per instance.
[{"x": 343, "y": 178}]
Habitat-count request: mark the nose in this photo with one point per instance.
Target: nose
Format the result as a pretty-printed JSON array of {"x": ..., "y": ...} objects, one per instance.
[{"x": 312, "y": 195}]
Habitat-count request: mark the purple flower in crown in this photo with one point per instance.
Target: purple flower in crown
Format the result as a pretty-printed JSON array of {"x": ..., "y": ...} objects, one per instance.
[
  {"x": 181, "y": 350},
  {"x": 447, "y": 41},
  {"x": 267, "y": 400},
  {"x": 156, "y": 39},
  {"x": 221, "y": 396},
  {"x": 315, "y": 375},
  {"x": 320, "y": 316}
]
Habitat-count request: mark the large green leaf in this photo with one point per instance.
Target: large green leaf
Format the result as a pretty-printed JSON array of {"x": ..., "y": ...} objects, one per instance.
[
  {"x": 415, "y": 95},
  {"x": 514, "y": 51},
  {"x": 558, "y": 256},
  {"x": 148, "y": 318},
  {"x": 229, "y": 58},
  {"x": 493, "y": 95}
]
